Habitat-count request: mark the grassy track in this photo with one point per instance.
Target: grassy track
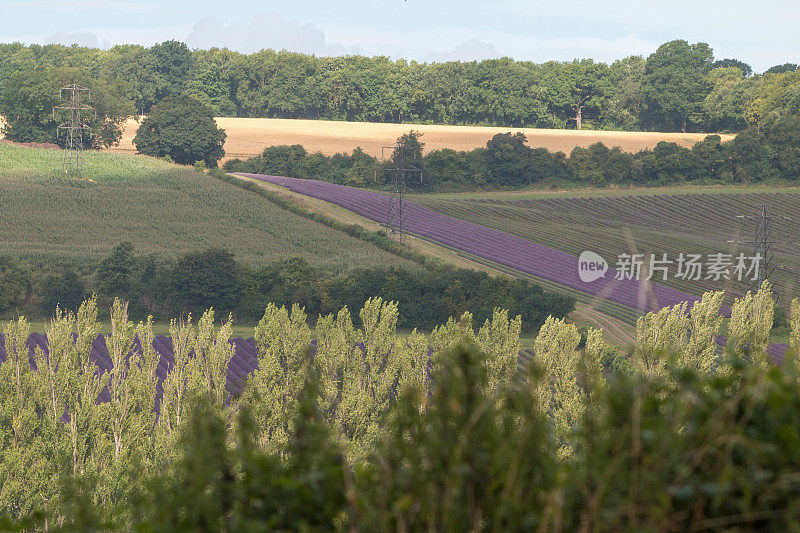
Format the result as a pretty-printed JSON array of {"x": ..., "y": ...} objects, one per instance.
[
  {"x": 249, "y": 136},
  {"x": 161, "y": 208}
]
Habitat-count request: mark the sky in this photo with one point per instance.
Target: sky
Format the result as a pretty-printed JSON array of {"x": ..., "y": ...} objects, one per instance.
[{"x": 760, "y": 32}]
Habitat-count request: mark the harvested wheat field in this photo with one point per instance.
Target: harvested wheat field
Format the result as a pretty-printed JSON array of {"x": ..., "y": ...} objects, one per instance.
[{"x": 249, "y": 136}]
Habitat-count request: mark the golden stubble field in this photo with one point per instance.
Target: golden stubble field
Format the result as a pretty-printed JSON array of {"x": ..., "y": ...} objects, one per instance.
[{"x": 249, "y": 136}]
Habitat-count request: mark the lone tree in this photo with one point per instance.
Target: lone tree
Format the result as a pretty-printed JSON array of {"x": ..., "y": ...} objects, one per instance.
[{"x": 183, "y": 129}]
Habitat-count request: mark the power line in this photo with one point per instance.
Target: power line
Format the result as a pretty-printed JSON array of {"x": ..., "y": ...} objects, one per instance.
[{"x": 74, "y": 129}]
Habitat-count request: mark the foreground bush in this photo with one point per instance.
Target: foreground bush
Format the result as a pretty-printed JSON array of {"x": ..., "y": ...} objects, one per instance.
[{"x": 373, "y": 431}]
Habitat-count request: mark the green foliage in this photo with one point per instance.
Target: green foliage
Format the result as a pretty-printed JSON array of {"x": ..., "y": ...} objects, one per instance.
[
  {"x": 675, "y": 83},
  {"x": 204, "y": 279},
  {"x": 795, "y": 323},
  {"x": 15, "y": 283},
  {"x": 465, "y": 463},
  {"x": 558, "y": 392},
  {"x": 114, "y": 274},
  {"x": 377, "y": 432},
  {"x": 581, "y": 86},
  {"x": 704, "y": 455},
  {"x": 182, "y": 128},
  {"x": 425, "y": 297},
  {"x": 774, "y": 96},
  {"x": 429, "y": 297},
  {"x": 27, "y": 99},
  {"x": 291, "y": 85},
  {"x": 66, "y": 290},
  {"x": 705, "y": 322},
  {"x": 408, "y": 151},
  {"x": 282, "y": 340},
  {"x": 673, "y": 338},
  {"x": 782, "y": 69},
  {"x": 506, "y": 158},
  {"x": 784, "y": 138},
  {"x": 751, "y": 323},
  {"x": 169, "y": 66},
  {"x": 743, "y": 67},
  {"x": 657, "y": 335},
  {"x": 213, "y": 352},
  {"x": 356, "y": 169},
  {"x": 724, "y": 105}
]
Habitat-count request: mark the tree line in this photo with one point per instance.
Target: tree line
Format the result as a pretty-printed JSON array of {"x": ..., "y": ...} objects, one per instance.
[
  {"x": 771, "y": 154},
  {"x": 679, "y": 87},
  {"x": 163, "y": 288},
  {"x": 369, "y": 430}
]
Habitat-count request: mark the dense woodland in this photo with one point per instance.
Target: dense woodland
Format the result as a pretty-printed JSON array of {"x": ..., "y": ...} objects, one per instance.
[
  {"x": 371, "y": 431},
  {"x": 678, "y": 87},
  {"x": 164, "y": 287}
]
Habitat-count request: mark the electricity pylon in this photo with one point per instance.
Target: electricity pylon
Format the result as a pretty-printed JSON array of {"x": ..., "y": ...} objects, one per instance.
[{"x": 74, "y": 129}]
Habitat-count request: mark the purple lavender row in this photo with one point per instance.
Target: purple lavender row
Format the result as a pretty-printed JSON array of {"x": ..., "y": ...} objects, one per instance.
[
  {"x": 242, "y": 363},
  {"x": 503, "y": 248},
  {"x": 499, "y": 247}
]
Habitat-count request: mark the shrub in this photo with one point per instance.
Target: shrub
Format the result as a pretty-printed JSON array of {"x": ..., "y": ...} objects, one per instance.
[
  {"x": 66, "y": 291},
  {"x": 206, "y": 279}
]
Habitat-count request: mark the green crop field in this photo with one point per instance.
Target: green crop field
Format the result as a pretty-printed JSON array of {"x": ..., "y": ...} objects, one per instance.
[
  {"x": 159, "y": 207},
  {"x": 651, "y": 221}
]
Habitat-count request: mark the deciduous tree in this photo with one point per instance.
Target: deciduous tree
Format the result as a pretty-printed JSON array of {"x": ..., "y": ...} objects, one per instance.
[
  {"x": 675, "y": 83},
  {"x": 183, "y": 129}
]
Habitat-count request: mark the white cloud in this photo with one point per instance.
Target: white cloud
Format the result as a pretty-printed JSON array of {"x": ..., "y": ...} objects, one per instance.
[
  {"x": 81, "y": 38},
  {"x": 267, "y": 29},
  {"x": 460, "y": 42},
  {"x": 143, "y": 36},
  {"x": 107, "y": 37},
  {"x": 470, "y": 50},
  {"x": 119, "y": 6}
]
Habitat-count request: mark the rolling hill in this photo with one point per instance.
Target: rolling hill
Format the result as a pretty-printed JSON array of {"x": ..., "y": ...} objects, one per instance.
[{"x": 157, "y": 206}]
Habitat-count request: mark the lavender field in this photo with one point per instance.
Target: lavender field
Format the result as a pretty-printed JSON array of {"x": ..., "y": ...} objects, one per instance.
[
  {"x": 491, "y": 244},
  {"x": 701, "y": 223}
]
